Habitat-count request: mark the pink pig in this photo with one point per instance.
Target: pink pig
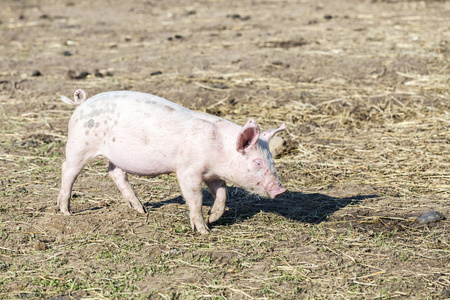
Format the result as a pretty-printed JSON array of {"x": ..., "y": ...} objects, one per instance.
[{"x": 147, "y": 135}]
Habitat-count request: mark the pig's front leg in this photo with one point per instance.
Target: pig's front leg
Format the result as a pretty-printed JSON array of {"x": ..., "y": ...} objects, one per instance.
[
  {"x": 219, "y": 192},
  {"x": 191, "y": 187},
  {"x": 120, "y": 178}
]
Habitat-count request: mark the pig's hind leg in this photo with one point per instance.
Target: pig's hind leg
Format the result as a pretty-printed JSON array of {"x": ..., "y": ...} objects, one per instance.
[
  {"x": 120, "y": 178},
  {"x": 69, "y": 174},
  {"x": 71, "y": 168},
  {"x": 219, "y": 192}
]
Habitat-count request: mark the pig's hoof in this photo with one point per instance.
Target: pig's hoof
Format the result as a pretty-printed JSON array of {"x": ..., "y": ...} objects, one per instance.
[
  {"x": 141, "y": 210},
  {"x": 203, "y": 230},
  {"x": 212, "y": 218},
  {"x": 215, "y": 215},
  {"x": 66, "y": 212},
  {"x": 200, "y": 225}
]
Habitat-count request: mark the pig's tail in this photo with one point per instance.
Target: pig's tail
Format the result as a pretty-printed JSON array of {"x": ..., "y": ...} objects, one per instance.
[{"x": 76, "y": 96}]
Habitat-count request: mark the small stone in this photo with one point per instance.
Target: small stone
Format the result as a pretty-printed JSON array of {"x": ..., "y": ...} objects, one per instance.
[
  {"x": 238, "y": 17},
  {"x": 234, "y": 16},
  {"x": 73, "y": 75},
  {"x": 40, "y": 246},
  {"x": 26, "y": 143},
  {"x": 66, "y": 53},
  {"x": 36, "y": 73},
  {"x": 155, "y": 73},
  {"x": 22, "y": 190},
  {"x": 431, "y": 217},
  {"x": 84, "y": 74},
  {"x": 276, "y": 146},
  {"x": 97, "y": 73},
  {"x": 104, "y": 204}
]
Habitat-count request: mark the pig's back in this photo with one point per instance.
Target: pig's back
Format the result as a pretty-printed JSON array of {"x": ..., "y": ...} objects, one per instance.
[
  {"x": 125, "y": 107},
  {"x": 110, "y": 102}
]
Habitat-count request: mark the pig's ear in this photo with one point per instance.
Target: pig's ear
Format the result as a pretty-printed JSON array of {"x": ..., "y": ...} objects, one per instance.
[
  {"x": 268, "y": 134},
  {"x": 248, "y": 137}
]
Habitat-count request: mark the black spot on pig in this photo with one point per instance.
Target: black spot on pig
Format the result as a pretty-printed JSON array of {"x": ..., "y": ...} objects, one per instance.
[
  {"x": 96, "y": 112},
  {"x": 146, "y": 140},
  {"x": 90, "y": 123}
]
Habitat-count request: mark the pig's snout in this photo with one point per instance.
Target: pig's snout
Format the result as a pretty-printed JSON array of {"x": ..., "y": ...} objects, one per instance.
[{"x": 275, "y": 193}]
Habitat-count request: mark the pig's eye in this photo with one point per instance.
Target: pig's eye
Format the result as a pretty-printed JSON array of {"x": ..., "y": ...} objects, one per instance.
[{"x": 258, "y": 163}]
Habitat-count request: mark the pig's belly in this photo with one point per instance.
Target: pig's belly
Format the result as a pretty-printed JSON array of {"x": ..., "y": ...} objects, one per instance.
[{"x": 140, "y": 159}]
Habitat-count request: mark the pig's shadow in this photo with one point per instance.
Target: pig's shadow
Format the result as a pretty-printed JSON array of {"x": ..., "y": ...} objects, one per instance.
[{"x": 309, "y": 208}]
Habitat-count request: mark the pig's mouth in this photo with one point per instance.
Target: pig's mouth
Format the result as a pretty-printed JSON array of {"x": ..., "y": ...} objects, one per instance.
[
  {"x": 275, "y": 193},
  {"x": 272, "y": 192}
]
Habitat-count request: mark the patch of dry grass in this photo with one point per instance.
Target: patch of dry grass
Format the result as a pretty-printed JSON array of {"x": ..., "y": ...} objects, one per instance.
[{"x": 363, "y": 89}]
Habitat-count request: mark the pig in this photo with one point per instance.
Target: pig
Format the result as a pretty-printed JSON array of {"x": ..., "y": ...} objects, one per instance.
[{"x": 147, "y": 135}]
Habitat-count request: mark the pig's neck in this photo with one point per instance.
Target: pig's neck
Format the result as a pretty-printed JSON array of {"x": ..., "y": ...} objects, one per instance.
[{"x": 228, "y": 162}]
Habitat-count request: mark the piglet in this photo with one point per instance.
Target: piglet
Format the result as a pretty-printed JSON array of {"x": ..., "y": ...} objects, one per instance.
[{"x": 147, "y": 135}]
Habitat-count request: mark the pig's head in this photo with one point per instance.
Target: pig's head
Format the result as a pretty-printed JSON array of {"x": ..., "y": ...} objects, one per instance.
[{"x": 256, "y": 162}]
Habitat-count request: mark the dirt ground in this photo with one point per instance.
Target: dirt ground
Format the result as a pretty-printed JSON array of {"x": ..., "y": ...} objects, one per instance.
[{"x": 363, "y": 87}]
